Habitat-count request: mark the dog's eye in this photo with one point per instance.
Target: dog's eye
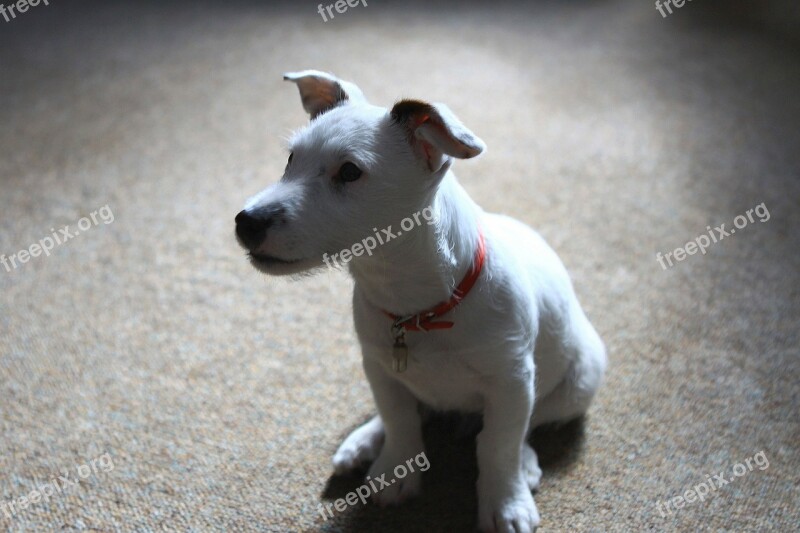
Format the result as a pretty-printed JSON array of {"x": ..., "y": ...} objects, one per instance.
[{"x": 349, "y": 172}]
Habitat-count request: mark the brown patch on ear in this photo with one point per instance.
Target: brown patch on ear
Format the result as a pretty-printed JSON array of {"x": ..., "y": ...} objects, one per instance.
[
  {"x": 434, "y": 131},
  {"x": 323, "y": 100},
  {"x": 406, "y": 109},
  {"x": 410, "y": 114},
  {"x": 414, "y": 113},
  {"x": 319, "y": 92}
]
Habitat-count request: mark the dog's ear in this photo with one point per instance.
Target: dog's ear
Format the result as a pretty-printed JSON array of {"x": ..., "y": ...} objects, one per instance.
[
  {"x": 434, "y": 132},
  {"x": 321, "y": 92}
]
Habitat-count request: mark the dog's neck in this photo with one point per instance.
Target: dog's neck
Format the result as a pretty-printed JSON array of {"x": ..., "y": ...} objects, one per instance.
[{"x": 414, "y": 273}]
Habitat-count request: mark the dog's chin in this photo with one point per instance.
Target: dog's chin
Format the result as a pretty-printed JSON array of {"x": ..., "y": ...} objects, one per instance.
[{"x": 275, "y": 266}]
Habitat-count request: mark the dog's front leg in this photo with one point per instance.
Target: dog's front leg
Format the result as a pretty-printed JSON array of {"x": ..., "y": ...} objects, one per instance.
[
  {"x": 397, "y": 408},
  {"x": 504, "y": 496}
]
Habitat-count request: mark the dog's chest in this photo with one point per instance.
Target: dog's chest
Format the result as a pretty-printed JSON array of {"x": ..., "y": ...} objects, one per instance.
[{"x": 437, "y": 372}]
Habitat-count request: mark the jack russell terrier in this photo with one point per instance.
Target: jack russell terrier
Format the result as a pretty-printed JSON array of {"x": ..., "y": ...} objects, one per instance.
[{"x": 471, "y": 312}]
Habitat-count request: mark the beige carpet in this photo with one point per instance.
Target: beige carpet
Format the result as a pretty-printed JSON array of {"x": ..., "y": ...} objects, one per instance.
[{"x": 211, "y": 398}]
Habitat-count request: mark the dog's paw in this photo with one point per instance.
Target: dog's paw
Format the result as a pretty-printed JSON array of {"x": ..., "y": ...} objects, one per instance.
[
  {"x": 508, "y": 513},
  {"x": 530, "y": 467},
  {"x": 360, "y": 448},
  {"x": 392, "y": 489}
]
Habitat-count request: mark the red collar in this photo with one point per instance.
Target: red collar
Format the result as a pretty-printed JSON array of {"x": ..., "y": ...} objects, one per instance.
[{"x": 424, "y": 321}]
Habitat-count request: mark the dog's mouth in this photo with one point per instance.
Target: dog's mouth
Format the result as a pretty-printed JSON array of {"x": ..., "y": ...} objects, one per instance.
[
  {"x": 270, "y": 260},
  {"x": 276, "y": 266}
]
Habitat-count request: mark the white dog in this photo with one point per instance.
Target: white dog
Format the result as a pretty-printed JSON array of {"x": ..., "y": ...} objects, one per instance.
[{"x": 469, "y": 311}]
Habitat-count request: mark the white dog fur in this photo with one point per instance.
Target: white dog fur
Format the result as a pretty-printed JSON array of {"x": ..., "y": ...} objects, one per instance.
[{"x": 521, "y": 351}]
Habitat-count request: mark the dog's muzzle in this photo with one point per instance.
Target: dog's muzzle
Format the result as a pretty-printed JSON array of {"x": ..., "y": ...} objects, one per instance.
[{"x": 252, "y": 225}]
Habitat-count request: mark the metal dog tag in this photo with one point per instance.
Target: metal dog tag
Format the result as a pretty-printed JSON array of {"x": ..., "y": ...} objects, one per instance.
[{"x": 399, "y": 355}]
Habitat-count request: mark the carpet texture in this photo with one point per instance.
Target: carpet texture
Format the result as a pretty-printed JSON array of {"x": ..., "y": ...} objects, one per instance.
[{"x": 175, "y": 388}]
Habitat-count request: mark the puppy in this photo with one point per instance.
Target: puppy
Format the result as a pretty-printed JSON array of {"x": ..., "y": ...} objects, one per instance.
[{"x": 462, "y": 310}]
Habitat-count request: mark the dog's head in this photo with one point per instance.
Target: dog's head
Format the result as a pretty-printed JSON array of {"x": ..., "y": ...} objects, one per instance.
[{"x": 355, "y": 169}]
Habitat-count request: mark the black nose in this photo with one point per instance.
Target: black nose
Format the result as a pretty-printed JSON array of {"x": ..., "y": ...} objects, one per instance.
[
  {"x": 252, "y": 226},
  {"x": 251, "y": 229}
]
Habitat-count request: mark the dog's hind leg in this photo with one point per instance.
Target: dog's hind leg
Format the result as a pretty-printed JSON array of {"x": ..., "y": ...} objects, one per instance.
[
  {"x": 573, "y": 395},
  {"x": 360, "y": 448}
]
